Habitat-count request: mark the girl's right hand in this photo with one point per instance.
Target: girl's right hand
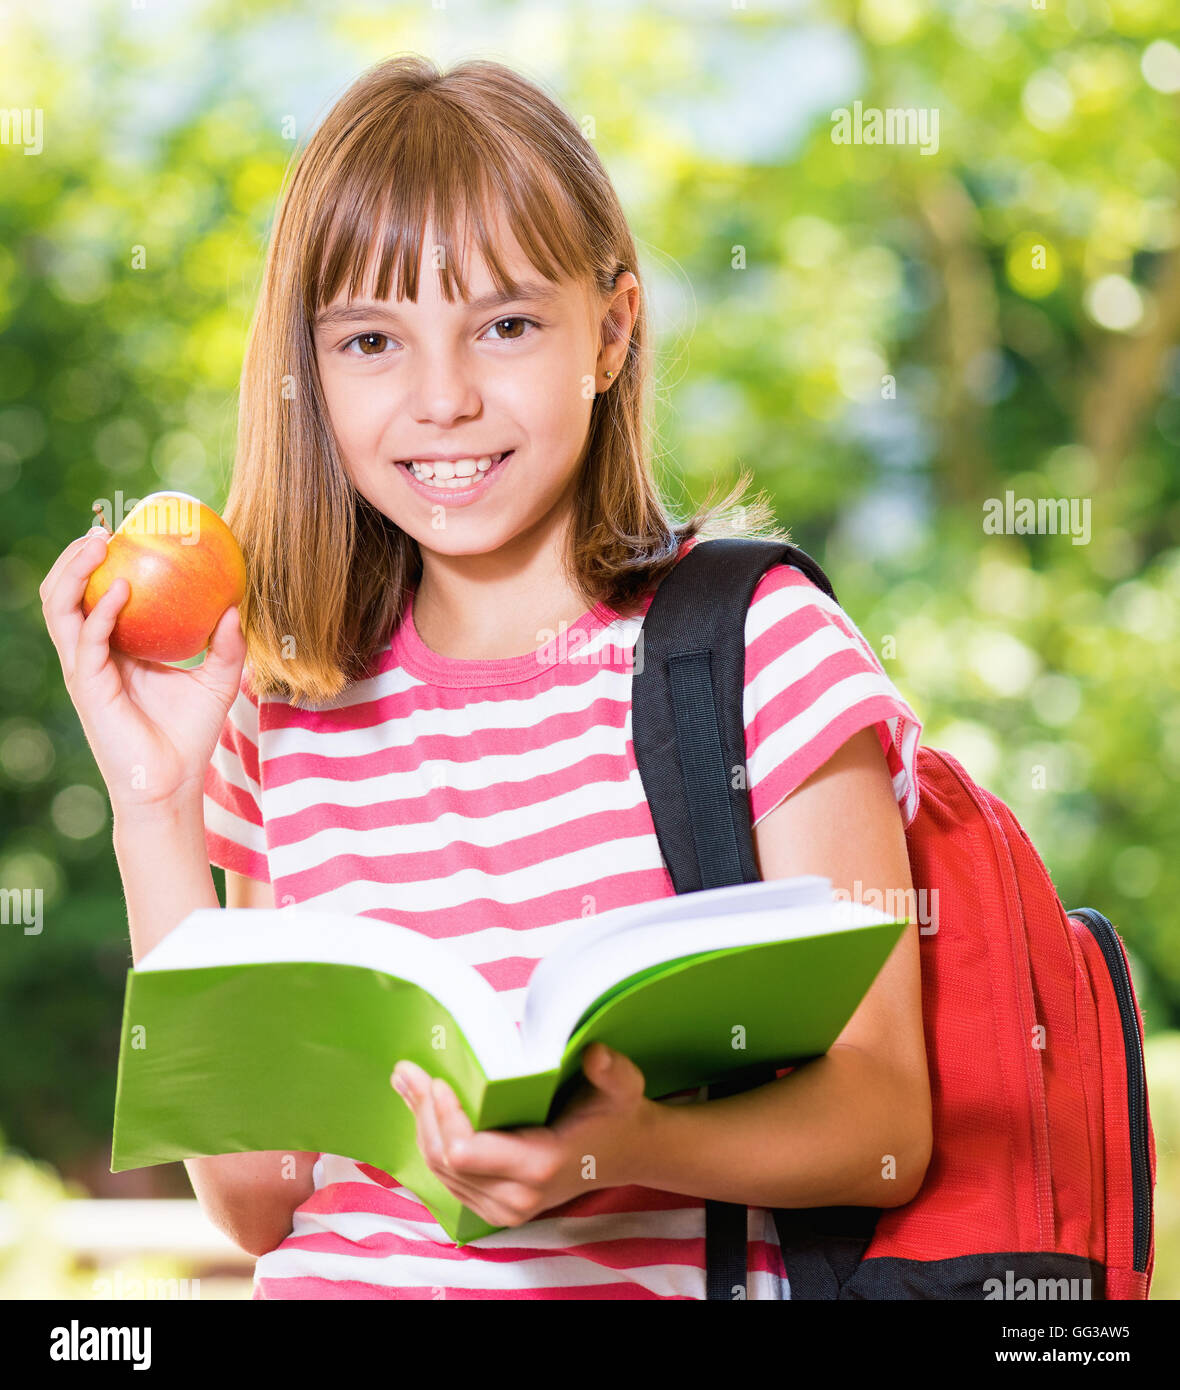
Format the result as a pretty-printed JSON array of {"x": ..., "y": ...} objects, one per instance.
[{"x": 152, "y": 728}]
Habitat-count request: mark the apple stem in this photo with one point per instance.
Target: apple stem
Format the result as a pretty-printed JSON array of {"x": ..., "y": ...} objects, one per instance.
[{"x": 99, "y": 519}]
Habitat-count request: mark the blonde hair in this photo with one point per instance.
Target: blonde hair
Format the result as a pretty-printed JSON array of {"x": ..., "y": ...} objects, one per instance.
[{"x": 328, "y": 573}]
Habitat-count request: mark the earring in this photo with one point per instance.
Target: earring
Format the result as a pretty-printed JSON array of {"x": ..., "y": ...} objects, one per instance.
[{"x": 599, "y": 393}]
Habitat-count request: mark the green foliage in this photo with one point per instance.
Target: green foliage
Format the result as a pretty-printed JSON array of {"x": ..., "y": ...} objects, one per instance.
[
  {"x": 791, "y": 285},
  {"x": 1162, "y": 1057}
]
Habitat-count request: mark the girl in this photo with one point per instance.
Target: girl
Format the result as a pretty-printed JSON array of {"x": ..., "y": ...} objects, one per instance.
[{"x": 444, "y": 494}]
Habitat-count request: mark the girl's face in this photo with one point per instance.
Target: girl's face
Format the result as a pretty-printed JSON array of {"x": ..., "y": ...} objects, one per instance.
[{"x": 471, "y": 380}]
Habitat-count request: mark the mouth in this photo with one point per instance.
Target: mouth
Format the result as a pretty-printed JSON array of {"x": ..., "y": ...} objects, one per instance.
[{"x": 462, "y": 476}]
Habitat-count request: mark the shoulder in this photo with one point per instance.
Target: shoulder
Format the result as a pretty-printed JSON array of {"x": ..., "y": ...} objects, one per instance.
[
  {"x": 793, "y": 587},
  {"x": 813, "y": 682},
  {"x": 788, "y": 612},
  {"x": 788, "y": 579}
]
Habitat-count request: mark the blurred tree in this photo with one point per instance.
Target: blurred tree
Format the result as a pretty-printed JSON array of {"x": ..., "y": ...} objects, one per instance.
[{"x": 891, "y": 338}]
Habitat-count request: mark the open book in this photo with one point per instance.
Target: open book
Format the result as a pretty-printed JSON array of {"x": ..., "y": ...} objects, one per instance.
[{"x": 250, "y": 1029}]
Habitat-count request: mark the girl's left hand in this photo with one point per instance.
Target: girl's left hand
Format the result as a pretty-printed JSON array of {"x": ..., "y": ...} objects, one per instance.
[{"x": 509, "y": 1176}]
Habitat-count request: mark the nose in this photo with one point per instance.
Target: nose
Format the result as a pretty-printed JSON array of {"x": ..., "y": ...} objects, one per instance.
[{"x": 443, "y": 387}]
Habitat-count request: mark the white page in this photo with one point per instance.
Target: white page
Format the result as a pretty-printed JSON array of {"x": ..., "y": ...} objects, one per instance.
[
  {"x": 721, "y": 905},
  {"x": 599, "y": 952},
  {"x": 570, "y": 979}
]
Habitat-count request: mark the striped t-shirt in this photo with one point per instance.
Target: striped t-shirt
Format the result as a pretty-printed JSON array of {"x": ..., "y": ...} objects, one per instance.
[{"x": 483, "y": 802}]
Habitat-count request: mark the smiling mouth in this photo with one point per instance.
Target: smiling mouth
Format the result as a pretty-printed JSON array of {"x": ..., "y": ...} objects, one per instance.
[{"x": 457, "y": 476}]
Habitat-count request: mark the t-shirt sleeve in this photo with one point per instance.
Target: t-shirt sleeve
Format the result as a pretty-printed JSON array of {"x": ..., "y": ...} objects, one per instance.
[
  {"x": 235, "y": 836},
  {"x": 811, "y": 683}
]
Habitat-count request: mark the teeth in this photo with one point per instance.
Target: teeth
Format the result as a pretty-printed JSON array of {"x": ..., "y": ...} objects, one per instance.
[{"x": 456, "y": 475}]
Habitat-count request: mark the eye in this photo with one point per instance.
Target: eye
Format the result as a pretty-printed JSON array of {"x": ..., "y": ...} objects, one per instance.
[
  {"x": 512, "y": 337},
  {"x": 366, "y": 339}
]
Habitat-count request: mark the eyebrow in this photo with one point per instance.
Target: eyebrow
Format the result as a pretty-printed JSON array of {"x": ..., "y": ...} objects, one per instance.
[{"x": 359, "y": 310}]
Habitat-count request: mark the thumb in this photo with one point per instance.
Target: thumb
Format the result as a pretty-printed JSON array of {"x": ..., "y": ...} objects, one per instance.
[
  {"x": 226, "y": 653},
  {"x": 611, "y": 1071}
]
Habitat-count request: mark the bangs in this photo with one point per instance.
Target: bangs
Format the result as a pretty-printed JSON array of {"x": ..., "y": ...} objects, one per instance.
[
  {"x": 420, "y": 167},
  {"x": 490, "y": 165}
]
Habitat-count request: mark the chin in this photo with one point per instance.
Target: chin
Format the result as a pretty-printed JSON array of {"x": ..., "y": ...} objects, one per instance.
[{"x": 460, "y": 539}]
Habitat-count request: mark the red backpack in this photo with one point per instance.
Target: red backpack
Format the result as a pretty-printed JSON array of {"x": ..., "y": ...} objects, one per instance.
[{"x": 1043, "y": 1168}]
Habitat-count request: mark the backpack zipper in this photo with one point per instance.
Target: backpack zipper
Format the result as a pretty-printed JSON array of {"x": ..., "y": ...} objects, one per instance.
[{"x": 1112, "y": 953}]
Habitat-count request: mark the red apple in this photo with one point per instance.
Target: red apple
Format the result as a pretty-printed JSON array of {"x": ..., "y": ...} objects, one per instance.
[{"x": 185, "y": 569}]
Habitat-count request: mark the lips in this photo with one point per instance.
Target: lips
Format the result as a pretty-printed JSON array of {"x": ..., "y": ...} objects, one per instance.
[
  {"x": 456, "y": 496},
  {"x": 493, "y": 457}
]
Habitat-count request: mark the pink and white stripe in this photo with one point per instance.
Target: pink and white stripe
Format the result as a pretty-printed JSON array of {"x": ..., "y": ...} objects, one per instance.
[{"x": 492, "y": 804}]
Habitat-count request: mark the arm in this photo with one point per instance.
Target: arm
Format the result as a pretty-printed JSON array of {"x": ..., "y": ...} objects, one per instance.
[
  {"x": 166, "y": 875},
  {"x": 822, "y": 1135},
  {"x": 252, "y": 1196},
  {"x": 143, "y": 716},
  {"x": 851, "y": 1128}
]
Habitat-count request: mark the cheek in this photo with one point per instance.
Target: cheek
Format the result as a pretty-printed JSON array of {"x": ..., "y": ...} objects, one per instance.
[
  {"x": 357, "y": 415},
  {"x": 557, "y": 414}
]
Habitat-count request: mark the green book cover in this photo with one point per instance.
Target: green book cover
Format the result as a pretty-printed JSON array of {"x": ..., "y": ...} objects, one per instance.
[{"x": 250, "y": 1029}]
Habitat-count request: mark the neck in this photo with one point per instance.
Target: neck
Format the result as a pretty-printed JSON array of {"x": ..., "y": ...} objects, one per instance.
[{"x": 484, "y": 607}]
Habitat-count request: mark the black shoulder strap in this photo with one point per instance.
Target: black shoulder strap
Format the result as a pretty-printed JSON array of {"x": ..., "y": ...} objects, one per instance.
[
  {"x": 686, "y": 703},
  {"x": 688, "y": 732}
]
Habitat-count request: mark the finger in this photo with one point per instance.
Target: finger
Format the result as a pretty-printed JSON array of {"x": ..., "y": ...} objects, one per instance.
[
  {"x": 432, "y": 1138},
  {"x": 94, "y": 650},
  {"x": 65, "y": 613},
  {"x": 414, "y": 1077},
  {"x": 499, "y": 1201},
  {"x": 62, "y": 605},
  {"x": 522, "y": 1156},
  {"x": 506, "y": 1192},
  {"x": 222, "y": 668},
  {"x": 453, "y": 1125},
  {"x": 502, "y": 1199},
  {"x": 470, "y": 1195},
  {"x": 64, "y": 559},
  {"x": 611, "y": 1073},
  {"x": 411, "y": 1093},
  {"x": 417, "y": 1087},
  {"x": 504, "y": 1203},
  {"x": 460, "y": 1182},
  {"x": 502, "y": 1213}
]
